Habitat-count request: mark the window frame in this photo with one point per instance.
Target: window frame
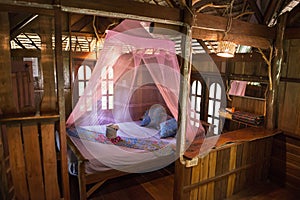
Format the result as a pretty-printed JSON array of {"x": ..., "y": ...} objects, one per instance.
[
  {"x": 207, "y": 80},
  {"x": 77, "y": 63}
]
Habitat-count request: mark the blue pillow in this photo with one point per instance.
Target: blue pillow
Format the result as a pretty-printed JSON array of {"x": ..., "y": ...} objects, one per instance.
[
  {"x": 146, "y": 119},
  {"x": 168, "y": 128}
]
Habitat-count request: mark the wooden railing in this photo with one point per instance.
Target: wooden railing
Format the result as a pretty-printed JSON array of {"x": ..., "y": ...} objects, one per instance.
[
  {"x": 32, "y": 156},
  {"x": 237, "y": 160}
]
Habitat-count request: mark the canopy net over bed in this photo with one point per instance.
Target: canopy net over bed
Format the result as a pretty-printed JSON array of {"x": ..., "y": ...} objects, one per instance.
[{"x": 136, "y": 78}]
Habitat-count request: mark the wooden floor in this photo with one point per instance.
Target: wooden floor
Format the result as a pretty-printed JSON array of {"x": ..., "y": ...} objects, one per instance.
[
  {"x": 266, "y": 191},
  {"x": 158, "y": 185}
]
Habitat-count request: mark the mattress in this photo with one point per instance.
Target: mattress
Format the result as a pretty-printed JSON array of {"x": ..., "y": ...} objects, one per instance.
[{"x": 154, "y": 153}]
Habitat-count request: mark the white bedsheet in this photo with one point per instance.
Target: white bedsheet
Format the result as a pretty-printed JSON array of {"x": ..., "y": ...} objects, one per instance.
[{"x": 106, "y": 156}]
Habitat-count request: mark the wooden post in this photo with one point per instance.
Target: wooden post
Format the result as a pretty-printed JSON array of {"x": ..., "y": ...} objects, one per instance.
[
  {"x": 186, "y": 47},
  {"x": 272, "y": 100},
  {"x": 6, "y": 98},
  {"x": 61, "y": 102},
  {"x": 48, "y": 104}
]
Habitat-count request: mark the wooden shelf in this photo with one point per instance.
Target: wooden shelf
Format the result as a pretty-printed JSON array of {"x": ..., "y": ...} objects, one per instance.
[{"x": 35, "y": 118}]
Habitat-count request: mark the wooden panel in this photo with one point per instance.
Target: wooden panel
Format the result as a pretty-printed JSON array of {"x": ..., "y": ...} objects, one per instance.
[
  {"x": 33, "y": 161},
  {"x": 293, "y": 59},
  {"x": 249, "y": 105},
  {"x": 285, "y": 163},
  {"x": 6, "y": 101},
  {"x": 49, "y": 161},
  {"x": 3, "y": 180},
  {"x": 239, "y": 155},
  {"x": 7, "y": 190},
  {"x": 221, "y": 168},
  {"x": 17, "y": 162},
  {"x": 229, "y": 169},
  {"x": 211, "y": 174},
  {"x": 290, "y": 108},
  {"x": 195, "y": 179},
  {"x": 48, "y": 104},
  {"x": 22, "y": 80},
  {"x": 203, "y": 176},
  {"x": 232, "y": 164}
]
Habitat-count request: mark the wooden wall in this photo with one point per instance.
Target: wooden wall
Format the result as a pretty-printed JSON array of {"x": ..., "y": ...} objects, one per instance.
[
  {"x": 224, "y": 171},
  {"x": 289, "y": 94},
  {"x": 27, "y": 140},
  {"x": 285, "y": 162},
  {"x": 32, "y": 157},
  {"x": 253, "y": 105}
]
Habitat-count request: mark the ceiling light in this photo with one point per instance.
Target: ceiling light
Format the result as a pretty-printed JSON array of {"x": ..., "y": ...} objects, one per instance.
[{"x": 226, "y": 49}]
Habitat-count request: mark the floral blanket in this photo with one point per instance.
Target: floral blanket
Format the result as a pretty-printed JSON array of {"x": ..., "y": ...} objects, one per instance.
[{"x": 149, "y": 144}]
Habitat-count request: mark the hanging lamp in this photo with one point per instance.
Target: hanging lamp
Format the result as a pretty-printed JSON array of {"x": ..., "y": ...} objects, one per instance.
[{"x": 227, "y": 48}]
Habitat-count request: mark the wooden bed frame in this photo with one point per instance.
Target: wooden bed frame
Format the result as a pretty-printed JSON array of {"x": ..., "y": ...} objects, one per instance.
[
  {"x": 97, "y": 178},
  {"x": 84, "y": 179}
]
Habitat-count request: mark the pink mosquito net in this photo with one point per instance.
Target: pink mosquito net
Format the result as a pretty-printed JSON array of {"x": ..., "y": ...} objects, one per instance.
[{"x": 134, "y": 71}]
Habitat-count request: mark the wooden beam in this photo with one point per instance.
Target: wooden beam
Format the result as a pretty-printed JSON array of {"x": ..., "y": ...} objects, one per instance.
[
  {"x": 61, "y": 102},
  {"x": 217, "y": 23},
  {"x": 25, "y": 24},
  {"x": 25, "y": 53},
  {"x": 48, "y": 104},
  {"x": 81, "y": 23},
  {"x": 124, "y": 9},
  {"x": 238, "y": 57},
  {"x": 257, "y": 12},
  {"x": 253, "y": 41},
  {"x": 208, "y": 27},
  {"x": 272, "y": 11},
  {"x": 28, "y": 6}
]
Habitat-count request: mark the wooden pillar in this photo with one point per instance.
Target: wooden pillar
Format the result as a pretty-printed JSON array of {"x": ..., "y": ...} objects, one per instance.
[
  {"x": 186, "y": 48},
  {"x": 48, "y": 104},
  {"x": 6, "y": 98},
  {"x": 61, "y": 102},
  {"x": 272, "y": 100}
]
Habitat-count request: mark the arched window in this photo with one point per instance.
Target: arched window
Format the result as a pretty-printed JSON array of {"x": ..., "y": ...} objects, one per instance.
[
  {"x": 196, "y": 102},
  {"x": 214, "y": 104},
  {"x": 108, "y": 90},
  {"x": 83, "y": 76}
]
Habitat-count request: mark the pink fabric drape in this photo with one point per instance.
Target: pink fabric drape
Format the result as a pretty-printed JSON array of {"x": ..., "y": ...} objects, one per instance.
[{"x": 238, "y": 88}]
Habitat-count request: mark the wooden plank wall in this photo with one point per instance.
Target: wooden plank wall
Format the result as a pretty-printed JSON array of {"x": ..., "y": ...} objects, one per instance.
[
  {"x": 289, "y": 94},
  {"x": 226, "y": 171},
  {"x": 285, "y": 162},
  {"x": 256, "y": 106},
  {"x": 249, "y": 71},
  {"x": 33, "y": 161},
  {"x": 22, "y": 81},
  {"x": 7, "y": 190}
]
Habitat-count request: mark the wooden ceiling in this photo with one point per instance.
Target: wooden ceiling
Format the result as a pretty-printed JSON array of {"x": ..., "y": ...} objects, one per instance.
[{"x": 253, "y": 22}]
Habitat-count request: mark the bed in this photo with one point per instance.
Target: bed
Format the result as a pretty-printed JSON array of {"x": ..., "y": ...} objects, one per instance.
[
  {"x": 95, "y": 159},
  {"x": 135, "y": 72}
]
